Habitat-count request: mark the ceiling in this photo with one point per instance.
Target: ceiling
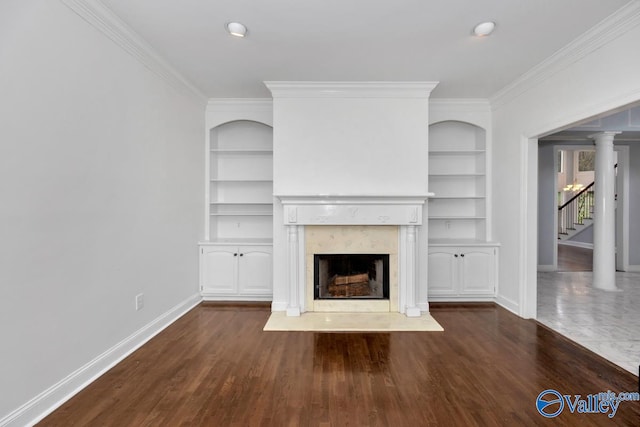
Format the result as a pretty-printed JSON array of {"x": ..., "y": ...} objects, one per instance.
[{"x": 358, "y": 40}]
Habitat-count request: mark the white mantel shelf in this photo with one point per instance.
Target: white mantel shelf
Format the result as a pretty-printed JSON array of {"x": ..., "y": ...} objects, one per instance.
[
  {"x": 353, "y": 209},
  {"x": 391, "y": 199}
]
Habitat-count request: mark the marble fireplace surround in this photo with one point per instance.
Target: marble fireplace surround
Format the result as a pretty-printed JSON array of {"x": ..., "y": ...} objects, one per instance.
[{"x": 404, "y": 212}]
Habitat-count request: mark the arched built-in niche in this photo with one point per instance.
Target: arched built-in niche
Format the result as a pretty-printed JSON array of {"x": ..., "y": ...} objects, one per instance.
[
  {"x": 240, "y": 182},
  {"x": 458, "y": 178}
]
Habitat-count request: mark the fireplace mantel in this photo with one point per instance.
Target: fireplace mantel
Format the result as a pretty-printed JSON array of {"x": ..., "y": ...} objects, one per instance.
[
  {"x": 353, "y": 209},
  {"x": 405, "y": 211}
]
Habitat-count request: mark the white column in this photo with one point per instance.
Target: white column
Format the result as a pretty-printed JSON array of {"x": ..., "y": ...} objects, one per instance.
[
  {"x": 604, "y": 225},
  {"x": 293, "y": 308},
  {"x": 411, "y": 310}
]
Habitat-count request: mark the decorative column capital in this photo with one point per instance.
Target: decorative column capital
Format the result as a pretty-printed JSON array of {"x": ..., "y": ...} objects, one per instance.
[{"x": 606, "y": 136}]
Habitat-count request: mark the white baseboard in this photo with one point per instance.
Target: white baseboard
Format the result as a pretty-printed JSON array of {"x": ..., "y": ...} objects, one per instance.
[
  {"x": 206, "y": 296},
  {"x": 423, "y": 306},
  {"x": 633, "y": 268},
  {"x": 547, "y": 267},
  {"x": 46, "y": 402},
  {"x": 436, "y": 298},
  {"x": 510, "y": 305},
  {"x": 576, "y": 244}
]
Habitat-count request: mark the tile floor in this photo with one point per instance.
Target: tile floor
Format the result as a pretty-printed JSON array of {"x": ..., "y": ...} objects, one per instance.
[{"x": 607, "y": 323}]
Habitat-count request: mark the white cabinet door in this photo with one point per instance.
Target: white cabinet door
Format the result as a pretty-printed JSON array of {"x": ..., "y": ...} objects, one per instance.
[
  {"x": 218, "y": 269},
  {"x": 442, "y": 271},
  {"x": 254, "y": 270},
  {"x": 462, "y": 273},
  {"x": 477, "y": 270}
]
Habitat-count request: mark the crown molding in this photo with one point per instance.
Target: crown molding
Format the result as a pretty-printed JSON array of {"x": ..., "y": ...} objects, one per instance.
[
  {"x": 615, "y": 25},
  {"x": 97, "y": 14},
  {"x": 289, "y": 89}
]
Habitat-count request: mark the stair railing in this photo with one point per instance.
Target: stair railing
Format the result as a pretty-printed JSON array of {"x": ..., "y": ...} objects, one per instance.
[{"x": 575, "y": 210}]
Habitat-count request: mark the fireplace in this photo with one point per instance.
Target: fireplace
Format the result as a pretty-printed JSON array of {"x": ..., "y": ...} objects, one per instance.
[
  {"x": 351, "y": 276},
  {"x": 382, "y": 226}
]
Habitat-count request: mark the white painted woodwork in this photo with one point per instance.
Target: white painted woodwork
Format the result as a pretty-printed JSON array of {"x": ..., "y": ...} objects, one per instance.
[
  {"x": 293, "y": 265},
  {"x": 240, "y": 181},
  {"x": 443, "y": 271},
  {"x": 604, "y": 214},
  {"x": 235, "y": 272},
  {"x": 458, "y": 165},
  {"x": 353, "y": 210},
  {"x": 236, "y": 257},
  {"x": 462, "y": 273},
  {"x": 408, "y": 303},
  {"x": 404, "y": 211},
  {"x": 478, "y": 271},
  {"x": 255, "y": 270},
  {"x": 218, "y": 270}
]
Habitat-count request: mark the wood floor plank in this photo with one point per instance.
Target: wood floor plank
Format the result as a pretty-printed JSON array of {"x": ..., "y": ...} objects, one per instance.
[
  {"x": 216, "y": 367},
  {"x": 572, "y": 258}
]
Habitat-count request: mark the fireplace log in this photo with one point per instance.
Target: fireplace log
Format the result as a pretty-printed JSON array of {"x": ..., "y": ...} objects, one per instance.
[
  {"x": 360, "y": 289},
  {"x": 353, "y": 278}
]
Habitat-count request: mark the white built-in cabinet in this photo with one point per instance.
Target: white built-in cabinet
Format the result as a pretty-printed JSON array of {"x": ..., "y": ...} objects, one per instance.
[
  {"x": 462, "y": 260},
  {"x": 236, "y": 271},
  {"x": 236, "y": 256},
  {"x": 462, "y": 271}
]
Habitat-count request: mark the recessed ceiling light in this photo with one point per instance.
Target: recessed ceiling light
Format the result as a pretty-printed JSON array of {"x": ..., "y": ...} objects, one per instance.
[
  {"x": 484, "y": 29},
  {"x": 236, "y": 29}
]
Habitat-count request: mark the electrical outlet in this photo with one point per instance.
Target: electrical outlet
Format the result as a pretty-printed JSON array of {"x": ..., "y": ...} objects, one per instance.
[{"x": 139, "y": 302}]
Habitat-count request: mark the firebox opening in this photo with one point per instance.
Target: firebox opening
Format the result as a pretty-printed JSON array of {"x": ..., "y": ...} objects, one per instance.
[{"x": 351, "y": 276}]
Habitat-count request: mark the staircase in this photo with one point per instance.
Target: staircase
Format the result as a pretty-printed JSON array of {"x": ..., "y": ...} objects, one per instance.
[{"x": 576, "y": 214}]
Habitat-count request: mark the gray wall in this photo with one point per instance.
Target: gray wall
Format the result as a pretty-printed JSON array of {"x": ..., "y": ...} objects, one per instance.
[
  {"x": 634, "y": 204},
  {"x": 585, "y": 236},
  {"x": 547, "y": 205},
  {"x": 102, "y": 183}
]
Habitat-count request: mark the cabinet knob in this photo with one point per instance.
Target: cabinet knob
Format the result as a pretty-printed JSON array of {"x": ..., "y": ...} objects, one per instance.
[
  {"x": 456, "y": 255},
  {"x": 462, "y": 255},
  {"x": 241, "y": 254},
  {"x": 235, "y": 254}
]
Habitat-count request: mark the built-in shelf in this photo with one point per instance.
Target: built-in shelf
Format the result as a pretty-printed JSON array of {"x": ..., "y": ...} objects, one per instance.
[
  {"x": 242, "y": 214},
  {"x": 242, "y": 203},
  {"x": 237, "y": 241},
  {"x": 457, "y": 197},
  {"x": 240, "y": 151},
  {"x": 455, "y": 152},
  {"x": 455, "y": 174},
  {"x": 461, "y": 242},
  {"x": 455, "y": 217},
  {"x": 241, "y": 180},
  {"x": 457, "y": 165},
  {"x": 240, "y": 192}
]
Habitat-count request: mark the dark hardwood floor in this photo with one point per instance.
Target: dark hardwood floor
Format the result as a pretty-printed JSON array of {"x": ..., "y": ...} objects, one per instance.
[
  {"x": 572, "y": 258},
  {"x": 216, "y": 367}
]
